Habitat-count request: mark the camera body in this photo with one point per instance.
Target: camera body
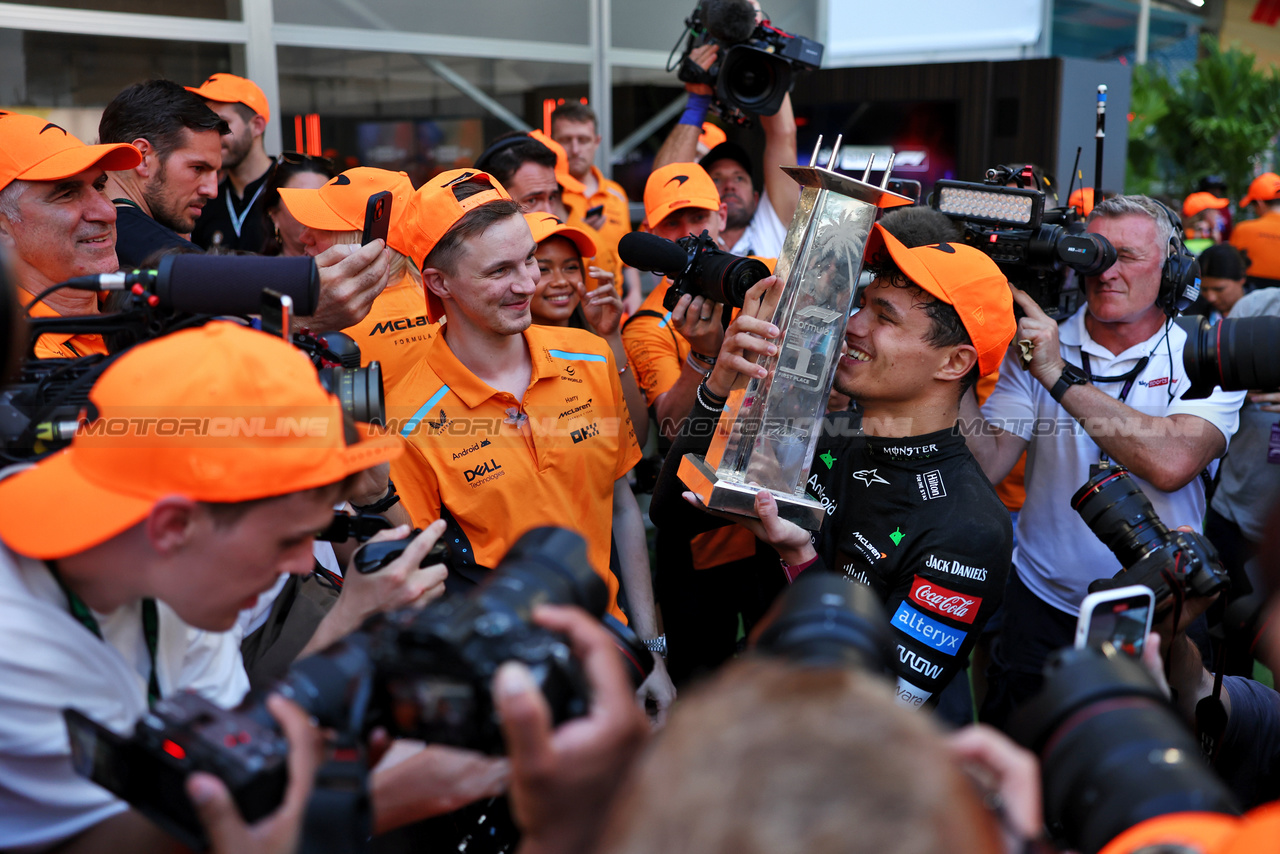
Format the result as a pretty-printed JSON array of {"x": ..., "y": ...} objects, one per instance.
[
  {"x": 695, "y": 265},
  {"x": 1174, "y": 564},
  {"x": 757, "y": 62},
  {"x": 1033, "y": 246},
  {"x": 182, "y": 734}
]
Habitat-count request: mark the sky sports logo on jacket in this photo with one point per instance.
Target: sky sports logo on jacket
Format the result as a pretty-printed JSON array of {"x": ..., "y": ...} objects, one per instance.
[
  {"x": 938, "y": 599},
  {"x": 933, "y": 634}
]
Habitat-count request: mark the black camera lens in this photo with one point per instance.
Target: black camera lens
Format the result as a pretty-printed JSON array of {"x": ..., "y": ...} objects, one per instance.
[
  {"x": 1112, "y": 752},
  {"x": 824, "y": 620},
  {"x": 726, "y": 278},
  {"x": 359, "y": 390},
  {"x": 753, "y": 80},
  {"x": 1121, "y": 515},
  {"x": 1234, "y": 354}
]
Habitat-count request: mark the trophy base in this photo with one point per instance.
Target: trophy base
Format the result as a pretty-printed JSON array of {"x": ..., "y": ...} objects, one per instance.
[{"x": 741, "y": 498}]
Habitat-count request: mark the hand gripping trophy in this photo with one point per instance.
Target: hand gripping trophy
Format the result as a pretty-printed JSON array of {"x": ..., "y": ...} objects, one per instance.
[{"x": 769, "y": 427}]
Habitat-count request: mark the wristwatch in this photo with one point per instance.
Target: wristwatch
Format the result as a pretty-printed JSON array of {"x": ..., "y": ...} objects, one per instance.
[
  {"x": 658, "y": 645},
  {"x": 1071, "y": 375}
]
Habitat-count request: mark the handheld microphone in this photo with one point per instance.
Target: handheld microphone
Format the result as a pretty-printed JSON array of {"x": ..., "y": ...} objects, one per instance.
[
  {"x": 216, "y": 284},
  {"x": 652, "y": 253}
]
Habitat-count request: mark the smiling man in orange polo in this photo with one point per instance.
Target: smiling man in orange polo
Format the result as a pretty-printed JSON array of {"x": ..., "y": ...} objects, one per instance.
[
  {"x": 56, "y": 221},
  {"x": 511, "y": 425}
]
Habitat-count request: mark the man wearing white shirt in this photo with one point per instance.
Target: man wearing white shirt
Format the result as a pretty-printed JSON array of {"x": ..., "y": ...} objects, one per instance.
[{"x": 1105, "y": 386}]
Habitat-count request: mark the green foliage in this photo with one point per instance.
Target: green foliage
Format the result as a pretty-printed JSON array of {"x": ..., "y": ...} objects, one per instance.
[{"x": 1217, "y": 118}]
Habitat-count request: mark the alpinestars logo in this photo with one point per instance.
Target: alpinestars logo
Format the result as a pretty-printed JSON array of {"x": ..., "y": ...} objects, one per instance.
[{"x": 868, "y": 477}]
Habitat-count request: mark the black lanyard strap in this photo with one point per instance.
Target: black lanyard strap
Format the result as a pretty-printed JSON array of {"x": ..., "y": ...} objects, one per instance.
[
  {"x": 150, "y": 627},
  {"x": 1128, "y": 378}
]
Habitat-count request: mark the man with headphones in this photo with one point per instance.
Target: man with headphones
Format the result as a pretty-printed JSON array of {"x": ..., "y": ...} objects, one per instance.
[{"x": 1103, "y": 387}]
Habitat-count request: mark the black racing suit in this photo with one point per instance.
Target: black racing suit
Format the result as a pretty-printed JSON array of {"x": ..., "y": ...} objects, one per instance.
[{"x": 914, "y": 518}]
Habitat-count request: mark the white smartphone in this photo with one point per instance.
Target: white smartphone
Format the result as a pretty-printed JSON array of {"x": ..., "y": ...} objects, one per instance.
[{"x": 1116, "y": 621}]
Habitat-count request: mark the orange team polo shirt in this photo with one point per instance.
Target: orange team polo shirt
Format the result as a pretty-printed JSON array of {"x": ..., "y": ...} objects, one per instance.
[
  {"x": 51, "y": 346},
  {"x": 503, "y": 466},
  {"x": 396, "y": 331},
  {"x": 1260, "y": 240}
]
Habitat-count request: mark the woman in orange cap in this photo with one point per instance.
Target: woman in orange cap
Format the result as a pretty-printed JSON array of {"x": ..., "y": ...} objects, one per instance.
[{"x": 562, "y": 299}]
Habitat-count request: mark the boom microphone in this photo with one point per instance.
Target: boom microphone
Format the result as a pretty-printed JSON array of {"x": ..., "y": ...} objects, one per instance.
[
  {"x": 216, "y": 284},
  {"x": 652, "y": 253},
  {"x": 729, "y": 21}
]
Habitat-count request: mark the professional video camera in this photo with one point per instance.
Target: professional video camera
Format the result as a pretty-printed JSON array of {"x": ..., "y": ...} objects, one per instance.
[
  {"x": 823, "y": 620},
  {"x": 423, "y": 674},
  {"x": 695, "y": 266},
  {"x": 1174, "y": 564},
  {"x": 40, "y": 410},
  {"x": 1032, "y": 246},
  {"x": 1234, "y": 354},
  {"x": 757, "y": 62}
]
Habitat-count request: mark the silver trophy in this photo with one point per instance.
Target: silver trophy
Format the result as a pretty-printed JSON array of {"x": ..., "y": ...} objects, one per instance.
[{"x": 769, "y": 427}]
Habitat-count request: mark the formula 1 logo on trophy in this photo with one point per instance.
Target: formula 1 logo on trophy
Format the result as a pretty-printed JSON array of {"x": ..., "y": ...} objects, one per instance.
[{"x": 769, "y": 428}]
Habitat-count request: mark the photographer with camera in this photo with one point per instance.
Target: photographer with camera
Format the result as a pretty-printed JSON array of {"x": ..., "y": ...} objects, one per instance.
[
  {"x": 1105, "y": 385},
  {"x": 55, "y": 220},
  {"x": 127, "y": 556},
  {"x": 511, "y": 425},
  {"x": 755, "y": 223},
  {"x": 910, "y": 513}
]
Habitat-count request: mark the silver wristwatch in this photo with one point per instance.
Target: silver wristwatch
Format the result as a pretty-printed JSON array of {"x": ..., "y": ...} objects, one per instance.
[{"x": 657, "y": 646}]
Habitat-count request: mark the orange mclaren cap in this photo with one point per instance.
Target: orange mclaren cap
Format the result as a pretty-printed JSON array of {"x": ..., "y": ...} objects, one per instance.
[
  {"x": 544, "y": 225},
  {"x": 221, "y": 413},
  {"x": 563, "y": 177},
  {"x": 965, "y": 279},
  {"x": 35, "y": 149},
  {"x": 1265, "y": 188},
  {"x": 434, "y": 209},
  {"x": 340, "y": 204},
  {"x": 230, "y": 89},
  {"x": 676, "y": 186},
  {"x": 1082, "y": 201},
  {"x": 1197, "y": 202}
]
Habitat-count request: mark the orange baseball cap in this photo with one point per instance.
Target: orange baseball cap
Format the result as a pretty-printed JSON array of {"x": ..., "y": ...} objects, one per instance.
[
  {"x": 340, "y": 204},
  {"x": 230, "y": 89},
  {"x": 434, "y": 209},
  {"x": 222, "y": 413},
  {"x": 965, "y": 279},
  {"x": 563, "y": 177},
  {"x": 676, "y": 186},
  {"x": 35, "y": 149},
  {"x": 1082, "y": 201},
  {"x": 544, "y": 225},
  {"x": 1197, "y": 202},
  {"x": 1265, "y": 188}
]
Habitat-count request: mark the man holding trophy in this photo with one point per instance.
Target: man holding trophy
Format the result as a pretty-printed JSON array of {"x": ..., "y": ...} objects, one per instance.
[{"x": 902, "y": 505}]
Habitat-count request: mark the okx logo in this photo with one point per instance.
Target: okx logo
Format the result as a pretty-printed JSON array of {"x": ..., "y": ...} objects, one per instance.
[{"x": 585, "y": 433}]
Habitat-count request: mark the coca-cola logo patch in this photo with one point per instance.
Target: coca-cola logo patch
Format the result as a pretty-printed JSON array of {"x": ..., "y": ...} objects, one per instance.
[{"x": 948, "y": 603}]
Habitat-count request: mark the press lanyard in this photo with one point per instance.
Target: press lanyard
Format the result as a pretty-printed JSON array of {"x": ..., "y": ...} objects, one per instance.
[
  {"x": 238, "y": 221},
  {"x": 1129, "y": 377},
  {"x": 150, "y": 627}
]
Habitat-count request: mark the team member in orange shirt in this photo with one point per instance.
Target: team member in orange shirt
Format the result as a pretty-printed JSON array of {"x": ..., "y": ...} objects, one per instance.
[
  {"x": 396, "y": 331},
  {"x": 575, "y": 127},
  {"x": 510, "y": 426},
  {"x": 1259, "y": 239},
  {"x": 722, "y": 579},
  {"x": 55, "y": 220}
]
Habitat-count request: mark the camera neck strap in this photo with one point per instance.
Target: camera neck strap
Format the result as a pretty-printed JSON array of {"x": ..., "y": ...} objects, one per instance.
[
  {"x": 150, "y": 626},
  {"x": 1129, "y": 377}
]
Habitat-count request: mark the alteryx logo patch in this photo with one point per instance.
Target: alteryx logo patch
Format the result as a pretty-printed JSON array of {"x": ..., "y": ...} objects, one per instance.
[{"x": 911, "y": 622}]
